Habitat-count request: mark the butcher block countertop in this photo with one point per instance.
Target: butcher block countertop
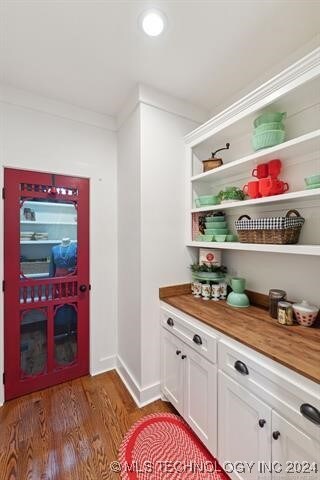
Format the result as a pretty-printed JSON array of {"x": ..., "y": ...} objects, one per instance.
[{"x": 296, "y": 347}]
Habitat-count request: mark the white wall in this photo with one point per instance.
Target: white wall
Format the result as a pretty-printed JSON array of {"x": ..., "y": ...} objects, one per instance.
[
  {"x": 129, "y": 237},
  {"x": 36, "y": 136},
  {"x": 164, "y": 258}
]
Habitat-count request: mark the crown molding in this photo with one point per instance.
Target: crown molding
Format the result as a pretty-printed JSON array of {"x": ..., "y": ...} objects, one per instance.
[
  {"x": 307, "y": 68},
  {"x": 144, "y": 94},
  {"x": 31, "y": 101}
]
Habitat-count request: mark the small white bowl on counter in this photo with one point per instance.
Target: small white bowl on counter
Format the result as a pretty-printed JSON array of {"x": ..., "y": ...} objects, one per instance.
[{"x": 305, "y": 313}]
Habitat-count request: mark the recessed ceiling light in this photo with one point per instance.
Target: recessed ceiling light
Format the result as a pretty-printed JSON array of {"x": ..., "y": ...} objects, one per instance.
[{"x": 153, "y": 22}]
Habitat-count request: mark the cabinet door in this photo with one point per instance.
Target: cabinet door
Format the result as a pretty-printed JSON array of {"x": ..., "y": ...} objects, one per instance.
[
  {"x": 172, "y": 367},
  {"x": 294, "y": 453},
  {"x": 244, "y": 431},
  {"x": 200, "y": 409}
]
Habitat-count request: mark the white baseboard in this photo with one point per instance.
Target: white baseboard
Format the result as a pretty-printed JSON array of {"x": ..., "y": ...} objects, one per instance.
[
  {"x": 141, "y": 396},
  {"x": 105, "y": 364}
]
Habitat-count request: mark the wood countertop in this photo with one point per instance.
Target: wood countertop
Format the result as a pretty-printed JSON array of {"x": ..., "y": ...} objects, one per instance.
[{"x": 296, "y": 347}]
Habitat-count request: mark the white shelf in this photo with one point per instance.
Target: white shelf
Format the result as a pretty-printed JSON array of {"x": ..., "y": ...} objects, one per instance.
[
  {"x": 258, "y": 247},
  {"x": 285, "y": 197},
  {"x": 303, "y": 145},
  {"x": 36, "y": 222},
  {"x": 41, "y": 242},
  {"x": 36, "y": 275},
  {"x": 63, "y": 204}
]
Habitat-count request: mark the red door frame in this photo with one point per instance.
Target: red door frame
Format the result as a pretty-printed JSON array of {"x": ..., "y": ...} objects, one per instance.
[{"x": 13, "y": 179}]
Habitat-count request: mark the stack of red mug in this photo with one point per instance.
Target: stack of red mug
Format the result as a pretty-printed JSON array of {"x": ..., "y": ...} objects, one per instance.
[{"x": 268, "y": 183}]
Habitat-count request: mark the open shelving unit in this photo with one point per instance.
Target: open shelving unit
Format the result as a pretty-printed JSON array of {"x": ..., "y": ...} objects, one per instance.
[
  {"x": 58, "y": 220},
  {"x": 295, "y": 91}
]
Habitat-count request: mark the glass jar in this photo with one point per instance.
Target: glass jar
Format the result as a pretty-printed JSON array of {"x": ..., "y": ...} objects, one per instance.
[
  {"x": 285, "y": 313},
  {"x": 275, "y": 296}
]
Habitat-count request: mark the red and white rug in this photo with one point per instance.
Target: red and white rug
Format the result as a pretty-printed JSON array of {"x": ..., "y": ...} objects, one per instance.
[{"x": 162, "y": 447}]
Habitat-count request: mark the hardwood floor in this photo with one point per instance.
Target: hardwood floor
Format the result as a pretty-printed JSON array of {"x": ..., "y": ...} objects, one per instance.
[{"x": 68, "y": 432}]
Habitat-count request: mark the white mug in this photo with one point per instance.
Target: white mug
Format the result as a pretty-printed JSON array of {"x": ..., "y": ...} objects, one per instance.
[
  {"x": 206, "y": 291},
  {"x": 197, "y": 289},
  {"x": 215, "y": 290}
]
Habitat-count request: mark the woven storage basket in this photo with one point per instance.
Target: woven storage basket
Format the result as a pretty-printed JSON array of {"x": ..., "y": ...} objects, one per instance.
[{"x": 277, "y": 230}]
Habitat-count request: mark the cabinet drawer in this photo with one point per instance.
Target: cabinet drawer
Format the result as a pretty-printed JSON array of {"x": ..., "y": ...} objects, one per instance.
[
  {"x": 194, "y": 335},
  {"x": 282, "y": 389}
]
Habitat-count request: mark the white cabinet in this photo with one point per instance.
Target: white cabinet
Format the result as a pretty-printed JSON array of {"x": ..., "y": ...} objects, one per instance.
[
  {"x": 249, "y": 418},
  {"x": 172, "y": 370},
  {"x": 200, "y": 395},
  {"x": 244, "y": 430},
  {"x": 189, "y": 382},
  {"x": 294, "y": 453}
]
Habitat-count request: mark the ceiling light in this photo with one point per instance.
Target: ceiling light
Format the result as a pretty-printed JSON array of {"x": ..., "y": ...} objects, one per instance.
[{"x": 153, "y": 22}]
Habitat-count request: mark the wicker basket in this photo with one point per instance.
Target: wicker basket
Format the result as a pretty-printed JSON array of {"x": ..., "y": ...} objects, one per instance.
[{"x": 277, "y": 230}]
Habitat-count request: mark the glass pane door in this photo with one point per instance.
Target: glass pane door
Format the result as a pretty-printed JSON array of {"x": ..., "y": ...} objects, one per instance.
[{"x": 46, "y": 260}]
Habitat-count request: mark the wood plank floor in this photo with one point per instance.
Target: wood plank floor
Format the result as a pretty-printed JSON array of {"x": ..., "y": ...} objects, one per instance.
[{"x": 68, "y": 432}]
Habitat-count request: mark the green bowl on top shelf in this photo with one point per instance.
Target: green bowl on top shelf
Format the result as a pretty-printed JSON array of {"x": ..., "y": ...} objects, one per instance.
[
  {"x": 269, "y": 126},
  {"x": 209, "y": 200},
  {"x": 269, "y": 117},
  {"x": 267, "y": 139}
]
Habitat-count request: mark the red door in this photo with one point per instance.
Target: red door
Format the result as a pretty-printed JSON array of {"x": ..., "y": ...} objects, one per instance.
[{"x": 46, "y": 273}]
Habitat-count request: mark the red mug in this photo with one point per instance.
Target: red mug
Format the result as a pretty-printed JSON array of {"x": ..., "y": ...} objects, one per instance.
[
  {"x": 274, "y": 168},
  {"x": 271, "y": 186},
  {"x": 252, "y": 189},
  {"x": 261, "y": 171}
]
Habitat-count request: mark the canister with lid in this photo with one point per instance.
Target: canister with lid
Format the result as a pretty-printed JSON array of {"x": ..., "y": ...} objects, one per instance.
[
  {"x": 275, "y": 296},
  {"x": 285, "y": 313}
]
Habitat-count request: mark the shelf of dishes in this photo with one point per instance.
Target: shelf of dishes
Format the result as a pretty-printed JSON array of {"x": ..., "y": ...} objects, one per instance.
[
  {"x": 257, "y": 247},
  {"x": 285, "y": 197},
  {"x": 266, "y": 185},
  {"x": 289, "y": 150}
]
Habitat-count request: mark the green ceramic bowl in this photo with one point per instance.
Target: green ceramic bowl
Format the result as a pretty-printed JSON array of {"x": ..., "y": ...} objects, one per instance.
[
  {"x": 208, "y": 200},
  {"x": 269, "y": 117},
  {"x": 204, "y": 238},
  {"x": 215, "y": 219},
  {"x": 238, "y": 300},
  {"x": 231, "y": 238},
  {"x": 216, "y": 231},
  {"x": 313, "y": 179},
  {"x": 220, "y": 238},
  {"x": 216, "y": 225}
]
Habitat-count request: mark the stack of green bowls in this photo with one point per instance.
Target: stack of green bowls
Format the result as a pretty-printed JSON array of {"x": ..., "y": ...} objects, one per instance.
[{"x": 269, "y": 130}]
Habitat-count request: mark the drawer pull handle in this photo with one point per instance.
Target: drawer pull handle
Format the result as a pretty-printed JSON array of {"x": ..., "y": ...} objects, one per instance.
[
  {"x": 170, "y": 322},
  {"x": 262, "y": 422},
  {"x": 183, "y": 357},
  {"x": 241, "y": 367},
  {"x": 178, "y": 352},
  {"x": 310, "y": 412},
  {"x": 276, "y": 435},
  {"x": 197, "y": 339}
]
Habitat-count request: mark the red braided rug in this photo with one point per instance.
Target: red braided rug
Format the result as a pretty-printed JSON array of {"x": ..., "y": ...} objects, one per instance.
[{"x": 162, "y": 447}]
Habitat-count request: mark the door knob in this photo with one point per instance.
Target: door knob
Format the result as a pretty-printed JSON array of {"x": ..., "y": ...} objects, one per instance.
[
  {"x": 178, "y": 352},
  {"x": 170, "y": 322},
  {"x": 262, "y": 422},
  {"x": 276, "y": 435},
  {"x": 83, "y": 288}
]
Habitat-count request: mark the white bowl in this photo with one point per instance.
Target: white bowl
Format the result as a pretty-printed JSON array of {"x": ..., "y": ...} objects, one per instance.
[{"x": 305, "y": 313}]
